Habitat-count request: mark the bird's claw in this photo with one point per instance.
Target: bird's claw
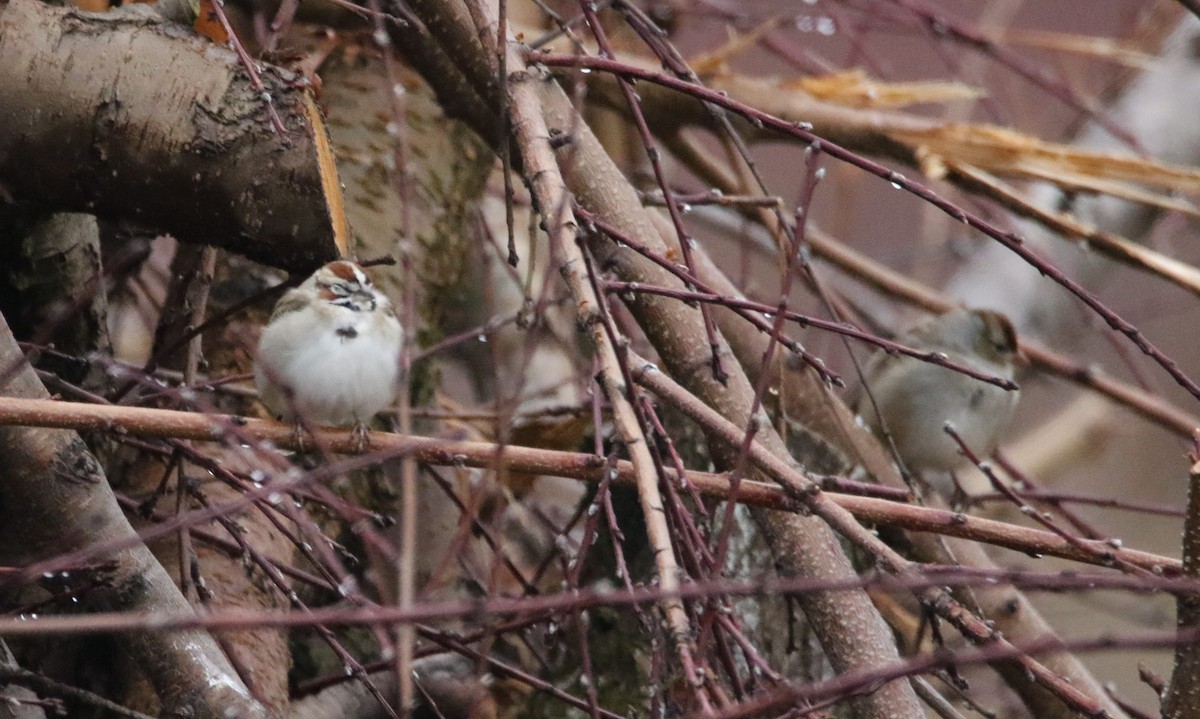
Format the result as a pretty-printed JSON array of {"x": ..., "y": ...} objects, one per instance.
[
  {"x": 298, "y": 436},
  {"x": 362, "y": 437}
]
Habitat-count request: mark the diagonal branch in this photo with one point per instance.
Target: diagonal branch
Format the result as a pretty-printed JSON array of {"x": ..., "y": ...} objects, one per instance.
[
  {"x": 846, "y": 623},
  {"x": 186, "y": 156},
  {"x": 937, "y": 600},
  {"x": 551, "y": 197},
  {"x": 56, "y": 499}
]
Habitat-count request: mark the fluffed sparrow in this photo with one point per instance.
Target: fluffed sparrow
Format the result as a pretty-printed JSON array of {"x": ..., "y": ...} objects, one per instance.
[
  {"x": 330, "y": 354},
  {"x": 917, "y": 399}
]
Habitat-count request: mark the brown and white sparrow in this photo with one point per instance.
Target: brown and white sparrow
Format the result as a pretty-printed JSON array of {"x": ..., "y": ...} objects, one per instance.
[
  {"x": 918, "y": 399},
  {"x": 330, "y": 354}
]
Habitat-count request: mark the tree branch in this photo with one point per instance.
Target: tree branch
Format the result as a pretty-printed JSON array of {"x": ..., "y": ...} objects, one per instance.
[
  {"x": 162, "y": 423},
  {"x": 55, "y": 499},
  {"x": 195, "y": 157}
]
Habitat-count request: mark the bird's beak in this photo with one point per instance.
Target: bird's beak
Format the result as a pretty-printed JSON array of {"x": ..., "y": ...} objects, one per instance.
[{"x": 367, "y": 298}]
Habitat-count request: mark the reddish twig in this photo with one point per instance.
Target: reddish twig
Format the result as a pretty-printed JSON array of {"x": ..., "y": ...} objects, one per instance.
[
  {"x": 185, "y": 425},
  {"x": 251, "y": 70},
  {"x": 672, "y": 205},
  {"x": 1009, "y": 240}
]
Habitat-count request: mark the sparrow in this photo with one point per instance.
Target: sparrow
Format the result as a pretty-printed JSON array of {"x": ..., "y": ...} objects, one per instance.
[
  {"x": 917, "y": 399},
  {"x": 330, "y": 354}
]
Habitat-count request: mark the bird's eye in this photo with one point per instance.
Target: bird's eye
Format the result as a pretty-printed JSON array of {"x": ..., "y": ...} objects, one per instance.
[{"x": 339, "y": 289}]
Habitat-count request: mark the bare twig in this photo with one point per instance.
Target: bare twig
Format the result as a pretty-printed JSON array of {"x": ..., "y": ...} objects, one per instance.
[
  {"x": 59, "y": 501},
  {"x": 973, "y": 628},
  {"x": 145, "y": 422},
  {"x": 549, "y": 190},
  {"x": 1008, "y": 239}
]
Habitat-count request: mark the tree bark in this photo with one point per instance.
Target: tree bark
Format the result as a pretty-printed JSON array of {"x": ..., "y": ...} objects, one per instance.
[
  {"x": 805, "y": 400},
  {"x": 195, "y": 155},
  {"x": 1183, "y": 696},
  {"x": 52, "y": 288},
  {"x": 54, "y": 500},
  {"x": 15, "y": 707},
  {"x": 850, "y": 629}
]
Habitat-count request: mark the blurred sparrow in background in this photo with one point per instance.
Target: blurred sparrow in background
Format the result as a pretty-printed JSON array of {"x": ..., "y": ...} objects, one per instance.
[
  {"x": 917, "y": 399},
  {"x": 330, "y": 354}
]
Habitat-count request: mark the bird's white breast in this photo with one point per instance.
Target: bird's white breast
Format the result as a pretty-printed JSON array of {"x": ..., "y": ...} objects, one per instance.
[{"x": 329, "y": 365}]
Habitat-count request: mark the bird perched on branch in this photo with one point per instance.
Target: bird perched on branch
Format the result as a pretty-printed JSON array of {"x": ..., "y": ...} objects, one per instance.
[
  {"x": 917, "y": 399},
  {"x": 330, "y": 354}
]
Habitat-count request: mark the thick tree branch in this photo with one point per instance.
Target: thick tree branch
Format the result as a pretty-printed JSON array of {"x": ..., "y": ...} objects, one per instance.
[
  {"x": 55, "y": 499},
  {"x": 847, "y": 624},
  {"x": 195, "y": 156},
  {"x": 806, "y": 399}
]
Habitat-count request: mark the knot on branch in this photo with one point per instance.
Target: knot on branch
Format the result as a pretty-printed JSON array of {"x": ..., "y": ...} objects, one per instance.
[{"x": 75, "y": 463}]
